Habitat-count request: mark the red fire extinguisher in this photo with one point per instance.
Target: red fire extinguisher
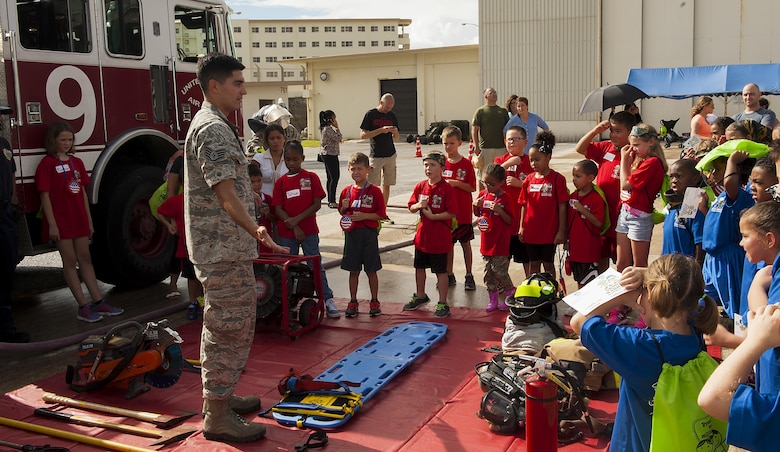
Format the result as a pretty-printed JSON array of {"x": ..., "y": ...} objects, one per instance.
[{"x": 541, "y": 414}]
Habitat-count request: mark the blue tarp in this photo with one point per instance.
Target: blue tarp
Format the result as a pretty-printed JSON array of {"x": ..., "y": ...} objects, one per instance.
[{"x": 683, "y": 82}]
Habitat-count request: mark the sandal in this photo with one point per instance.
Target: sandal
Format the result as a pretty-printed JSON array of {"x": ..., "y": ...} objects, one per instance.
[{"x": 174, "y": 294}]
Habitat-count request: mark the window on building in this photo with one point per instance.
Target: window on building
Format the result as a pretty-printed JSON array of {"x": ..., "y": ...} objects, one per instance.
[
  {"x": 287, "y": 58},
  {"x": 302, "y": 44},
  {"x": 374, "y": 43},
  {"x": 240, "y": 60},
  {"x": 315, "y": 29},
  {"x": 272, "y": 74},
  {"x": 330, "y": 43},
  {"x": 255, "y": 74},
  {"x": 301, "y": 29},
  {"x": 270, "y": 29},
  {"x": 270, "y": 45},
  {"x": 256, "y": 45},
  {"x": 374, "y": 28},
  {"x": 256, "y": 59},
  {"x": 238, "y": 44},
  {"x": 361, "y": 28},
  {"x": 270, "y": 59},
  {"x": 330, "y": 29},
  {"x": 361, "y": 43},
  {"x": 255, "y": 29},
  {"x": 287, "y": 29},
  {"x": 346, "y": 43},
  {"x": 346, "y": 29},
  {"x": 287, "y": 44},
  {"x": 236, "y": 29},
  {"x": 289, "y": 73},
  {"x": 389, "y": 43},
  {"x": 315, "y": 44},
  {"x": 389, "y": 28},
  {"x": 302, "y": 74}
]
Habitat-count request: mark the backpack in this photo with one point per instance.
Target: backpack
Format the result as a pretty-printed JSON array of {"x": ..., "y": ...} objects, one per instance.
[
  {"x": 607, "y": 223},
  {"x": 678, "y": 423}
]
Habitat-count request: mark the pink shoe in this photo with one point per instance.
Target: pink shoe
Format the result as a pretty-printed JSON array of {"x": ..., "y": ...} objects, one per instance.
[
  {"x": 503, "y": 306},
  {"x": 492, "y": 302}
]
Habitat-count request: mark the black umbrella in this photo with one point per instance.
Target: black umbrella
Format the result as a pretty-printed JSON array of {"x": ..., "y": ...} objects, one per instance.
[{"x": 610, "y": 96}]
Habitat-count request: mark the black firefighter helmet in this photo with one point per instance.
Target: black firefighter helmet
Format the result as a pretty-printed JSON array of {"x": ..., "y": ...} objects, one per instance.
[{"x": 534, "y": 298}]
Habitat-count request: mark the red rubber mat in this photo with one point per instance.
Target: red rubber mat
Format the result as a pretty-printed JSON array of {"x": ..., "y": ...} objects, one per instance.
[{"x": 430, "y": 406}]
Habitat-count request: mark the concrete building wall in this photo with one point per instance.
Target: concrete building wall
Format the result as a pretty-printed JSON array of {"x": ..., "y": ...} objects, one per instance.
[{"x": 555, "y": 52}]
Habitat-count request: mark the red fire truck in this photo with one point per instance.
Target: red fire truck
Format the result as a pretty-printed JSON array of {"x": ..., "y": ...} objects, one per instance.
[{"x": 122, "y": 74}]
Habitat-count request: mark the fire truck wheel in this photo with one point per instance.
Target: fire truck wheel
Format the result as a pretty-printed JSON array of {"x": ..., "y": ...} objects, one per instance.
[{"x": 130, "y": 247}]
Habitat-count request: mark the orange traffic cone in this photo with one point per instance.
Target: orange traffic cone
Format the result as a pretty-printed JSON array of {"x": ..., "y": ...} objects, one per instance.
[{"x": 418, "y": 152}]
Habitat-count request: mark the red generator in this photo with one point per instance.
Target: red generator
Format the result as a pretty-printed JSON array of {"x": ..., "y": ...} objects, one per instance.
[{"x": 289, "y": 292}]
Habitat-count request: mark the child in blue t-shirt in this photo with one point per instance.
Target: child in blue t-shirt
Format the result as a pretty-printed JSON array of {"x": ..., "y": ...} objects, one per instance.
[
  {"x": 753, "y": 418},
  {"x": 684, "y": 235},
  {"x": 760, "y": 226},
  {"x": 722, "y": 267},
  {"x": 668, "y": 295}
]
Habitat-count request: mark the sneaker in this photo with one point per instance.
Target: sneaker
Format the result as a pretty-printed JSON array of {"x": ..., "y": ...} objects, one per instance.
[
  {"x": 103, "y": 308},
  {"x": 442, "y": 310},
  {"x": 375, "y": 310},
  {"x": 352, "y": 309},
  {"x": 451, "y": 279},
  {"x": 87, "y": 314},
  {"x": 331, "y": 310},
  {"x": 470, "y": 284},
  {"x": 415, "y": 302},
  {"x": 388, "y": 220}
]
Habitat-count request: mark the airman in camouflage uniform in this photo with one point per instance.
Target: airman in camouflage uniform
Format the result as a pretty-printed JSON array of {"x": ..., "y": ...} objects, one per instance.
[{"x": 221, "y": 241}]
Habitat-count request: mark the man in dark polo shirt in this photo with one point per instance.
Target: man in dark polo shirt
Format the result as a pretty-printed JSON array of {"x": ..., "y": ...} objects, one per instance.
[{"x": 380, "y": 127}]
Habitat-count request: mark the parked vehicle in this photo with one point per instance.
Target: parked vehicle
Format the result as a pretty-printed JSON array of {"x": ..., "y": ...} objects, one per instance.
[
  {"x": 122, "y": 74},
  {"x": 433, "y": 133}
]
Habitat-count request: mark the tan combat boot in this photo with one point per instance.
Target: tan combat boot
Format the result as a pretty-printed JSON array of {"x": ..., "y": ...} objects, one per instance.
[
  {"x": 239, "y": 404},
  {"x": 223, "y": 424}
]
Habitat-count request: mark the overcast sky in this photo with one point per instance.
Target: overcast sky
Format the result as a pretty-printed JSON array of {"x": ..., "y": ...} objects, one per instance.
[{"x": 435, "y": 23}]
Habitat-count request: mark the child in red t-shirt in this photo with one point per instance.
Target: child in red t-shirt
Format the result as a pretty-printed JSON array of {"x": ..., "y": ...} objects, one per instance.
[
  {"x": 362, "y": 206},
  {"x": 642, "y": 169},
  {"x": 606, "y": 154},
  {"x": 171, "y": 214},
  {"x": 263, "y": 215},
  {"x": 61, "y": 179},
  {"x": 434, "y": 199},
  {"x": 517, "y": 167},
  {"x": 459, "y": 173},
  {"x": 297, "y": 198},
  {"x": 495, "y": 225},
  {"x": 543, "y": 200},
  {"x": 586, "y": 218}
]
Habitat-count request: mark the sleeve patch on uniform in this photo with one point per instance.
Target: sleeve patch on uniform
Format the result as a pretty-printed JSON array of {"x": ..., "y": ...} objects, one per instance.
[{"x": 215, "y": 155}]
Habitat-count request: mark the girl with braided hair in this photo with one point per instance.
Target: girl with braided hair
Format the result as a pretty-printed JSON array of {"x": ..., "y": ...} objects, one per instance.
[{"x": 669, "y": 296}]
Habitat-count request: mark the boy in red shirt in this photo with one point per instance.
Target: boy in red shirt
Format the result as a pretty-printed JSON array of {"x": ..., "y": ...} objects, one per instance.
[
  {"x": 171, "y": 214},
  {"x": 495, "y": 224},
  {"x": 586, "y": 218},
  {"x": 517, "y": 167},
  {"x": 297, "y": 198},
  {"x": 434, "y": 199},
  {"x": 362, "y": 206},
  {"x": 263, "y": 214},
  {"x": 607, "y": 155},
  {"x": 459, "y": 173}
]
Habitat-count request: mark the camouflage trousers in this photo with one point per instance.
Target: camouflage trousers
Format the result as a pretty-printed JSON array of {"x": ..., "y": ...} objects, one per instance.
[
  {"x": 228, "y": 324},
  {"x": 497, "y": 273}
]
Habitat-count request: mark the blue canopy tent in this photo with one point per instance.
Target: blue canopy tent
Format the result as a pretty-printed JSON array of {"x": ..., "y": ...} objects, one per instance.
[{"x": 684, "y": 82}]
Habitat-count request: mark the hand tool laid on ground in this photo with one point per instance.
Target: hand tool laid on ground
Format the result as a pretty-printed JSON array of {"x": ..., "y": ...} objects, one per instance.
[
  {"x": 160, "y": 420},
  {"x": 102, "y": 443},
  {"x": 31, "y": 448},
  {"x": 163, "y": 436}
]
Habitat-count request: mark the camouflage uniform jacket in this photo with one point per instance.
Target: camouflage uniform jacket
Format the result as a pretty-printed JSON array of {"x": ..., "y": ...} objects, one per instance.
[{"x": 213, "y": 153}]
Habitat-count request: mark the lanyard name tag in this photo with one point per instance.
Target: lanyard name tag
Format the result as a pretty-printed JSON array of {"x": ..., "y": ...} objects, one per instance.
[
  {"x": 74, "y": 187},
  {"x": 485, "y": 224}
]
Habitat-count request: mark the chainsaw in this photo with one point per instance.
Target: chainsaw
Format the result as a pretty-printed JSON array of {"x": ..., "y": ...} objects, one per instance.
[{"x": 130, "y": 356}]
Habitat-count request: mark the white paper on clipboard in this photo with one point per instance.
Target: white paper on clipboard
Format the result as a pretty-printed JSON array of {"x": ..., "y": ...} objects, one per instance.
[{"x": 604, "y": 288}]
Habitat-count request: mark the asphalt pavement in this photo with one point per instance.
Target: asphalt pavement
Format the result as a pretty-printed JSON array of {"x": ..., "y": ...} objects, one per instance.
[{"x": 44, "y": 307}]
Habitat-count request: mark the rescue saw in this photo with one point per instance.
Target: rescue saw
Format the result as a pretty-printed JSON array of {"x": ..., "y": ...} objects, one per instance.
[{"x": 130, "y": 356}]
